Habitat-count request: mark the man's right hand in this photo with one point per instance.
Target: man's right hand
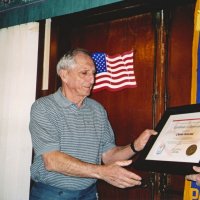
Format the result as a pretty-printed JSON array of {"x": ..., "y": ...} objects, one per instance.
[{"x": 116, "y": 175}]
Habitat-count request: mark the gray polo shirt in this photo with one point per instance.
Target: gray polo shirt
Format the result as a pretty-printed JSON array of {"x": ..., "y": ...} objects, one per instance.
[{"x": 84, "y": 133}]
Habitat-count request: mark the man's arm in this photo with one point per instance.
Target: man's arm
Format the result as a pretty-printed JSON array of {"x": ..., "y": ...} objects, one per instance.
[
  {"x": 125, "y": 152},
  {"x": 113, "y": 173}
]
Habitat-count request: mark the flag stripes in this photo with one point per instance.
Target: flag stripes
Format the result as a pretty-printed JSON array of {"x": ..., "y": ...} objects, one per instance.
[{"x": 114, "y": 72}]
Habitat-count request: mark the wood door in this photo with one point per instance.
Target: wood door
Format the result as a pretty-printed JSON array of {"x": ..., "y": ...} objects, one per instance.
[
  {"x": 161, "y": 38},
  {"x": 129, "y": 110}
]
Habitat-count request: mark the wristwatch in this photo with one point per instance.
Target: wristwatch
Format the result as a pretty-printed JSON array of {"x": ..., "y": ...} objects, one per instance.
[{"x": 133, "y": 147}]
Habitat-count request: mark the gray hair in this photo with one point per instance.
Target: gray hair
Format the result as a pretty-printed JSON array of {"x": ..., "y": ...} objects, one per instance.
[{"x": 68, "y": 60}]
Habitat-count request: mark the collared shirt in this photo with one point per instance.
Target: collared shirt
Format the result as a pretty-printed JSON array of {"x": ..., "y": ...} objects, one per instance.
[{"x": 57, "y": 124}]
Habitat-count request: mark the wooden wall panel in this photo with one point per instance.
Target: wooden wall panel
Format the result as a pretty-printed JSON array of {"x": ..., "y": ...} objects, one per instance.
[
  {"x": 180, "y": 56},
  {"x": 126, "y": 108},
  {"x": 179, "y": 74},
  {"x": 129, "y": 110}
]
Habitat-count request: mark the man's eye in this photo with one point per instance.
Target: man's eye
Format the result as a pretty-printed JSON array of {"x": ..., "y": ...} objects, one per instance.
[
  {"x": 84, "y": 73},
  {"x": 87, "y": 73}
]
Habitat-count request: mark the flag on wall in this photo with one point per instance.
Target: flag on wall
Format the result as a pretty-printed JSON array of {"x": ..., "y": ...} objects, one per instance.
[
  {"x": 113, "y": 73},
  {"x": 191, "y": 189}
]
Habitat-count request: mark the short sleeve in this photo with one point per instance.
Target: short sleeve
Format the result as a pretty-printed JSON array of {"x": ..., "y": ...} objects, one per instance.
[
  {"x": 108, "y": 135},
  {"x": 45, "y": 137}
]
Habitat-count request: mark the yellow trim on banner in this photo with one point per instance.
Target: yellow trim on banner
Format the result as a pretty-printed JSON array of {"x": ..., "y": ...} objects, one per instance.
[
  {"x": 188, "y": 190},
  {"x": 195, "y": 52}
]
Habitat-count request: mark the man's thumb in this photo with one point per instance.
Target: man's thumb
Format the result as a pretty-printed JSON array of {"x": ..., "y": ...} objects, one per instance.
[{"x": 124, "y": 163}]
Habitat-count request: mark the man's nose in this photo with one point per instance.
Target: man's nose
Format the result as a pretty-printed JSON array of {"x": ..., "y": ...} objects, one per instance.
[{"x": 91, "y": 79}]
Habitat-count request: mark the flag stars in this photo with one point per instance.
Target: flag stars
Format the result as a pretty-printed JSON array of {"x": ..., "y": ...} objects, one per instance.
[{"x": 100, "y": 62}]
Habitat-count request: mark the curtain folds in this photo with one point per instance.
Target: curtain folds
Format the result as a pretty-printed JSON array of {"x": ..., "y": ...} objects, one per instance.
[{"x": 18, "y": 67}]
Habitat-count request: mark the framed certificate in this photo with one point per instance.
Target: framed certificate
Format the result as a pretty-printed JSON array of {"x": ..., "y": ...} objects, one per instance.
[{"x": 176, "y": 147}]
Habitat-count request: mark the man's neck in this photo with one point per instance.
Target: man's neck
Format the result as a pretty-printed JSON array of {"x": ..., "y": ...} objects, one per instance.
[{"x": 76, "y": 100}]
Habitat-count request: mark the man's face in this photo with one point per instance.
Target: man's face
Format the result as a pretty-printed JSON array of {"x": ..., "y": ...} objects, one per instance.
[{"x": 80, "y": 79}]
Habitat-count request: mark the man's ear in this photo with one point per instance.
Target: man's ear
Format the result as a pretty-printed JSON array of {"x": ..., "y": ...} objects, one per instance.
[{"x": 63, "y": 75}]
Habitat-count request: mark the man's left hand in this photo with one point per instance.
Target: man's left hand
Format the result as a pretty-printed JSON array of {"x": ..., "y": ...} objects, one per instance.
[{"x": 143, "y": 138}]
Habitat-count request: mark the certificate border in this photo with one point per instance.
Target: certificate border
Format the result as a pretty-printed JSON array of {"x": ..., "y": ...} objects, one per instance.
[{"x": 179, "y": 168}]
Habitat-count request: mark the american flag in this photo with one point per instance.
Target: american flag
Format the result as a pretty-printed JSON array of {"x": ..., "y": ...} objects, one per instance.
[{"x": 113, "y": 72}]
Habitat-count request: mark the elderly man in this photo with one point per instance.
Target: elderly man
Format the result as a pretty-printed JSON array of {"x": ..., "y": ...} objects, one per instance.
[{"x": 72, "y": 136}]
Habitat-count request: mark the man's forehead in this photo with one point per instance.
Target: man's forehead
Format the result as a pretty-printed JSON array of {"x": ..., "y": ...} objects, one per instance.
[
  {"x": 81, "y": 55},
  {"x": 84, "y": 60},
  {"x": 85, "y": 67}
]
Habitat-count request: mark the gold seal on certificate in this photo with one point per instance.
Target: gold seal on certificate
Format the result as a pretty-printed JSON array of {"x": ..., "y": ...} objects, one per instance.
[{"x": 191, "y": 149}]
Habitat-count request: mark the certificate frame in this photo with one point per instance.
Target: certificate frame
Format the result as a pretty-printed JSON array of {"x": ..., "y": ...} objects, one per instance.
[{"x": 179, "y": 126}]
